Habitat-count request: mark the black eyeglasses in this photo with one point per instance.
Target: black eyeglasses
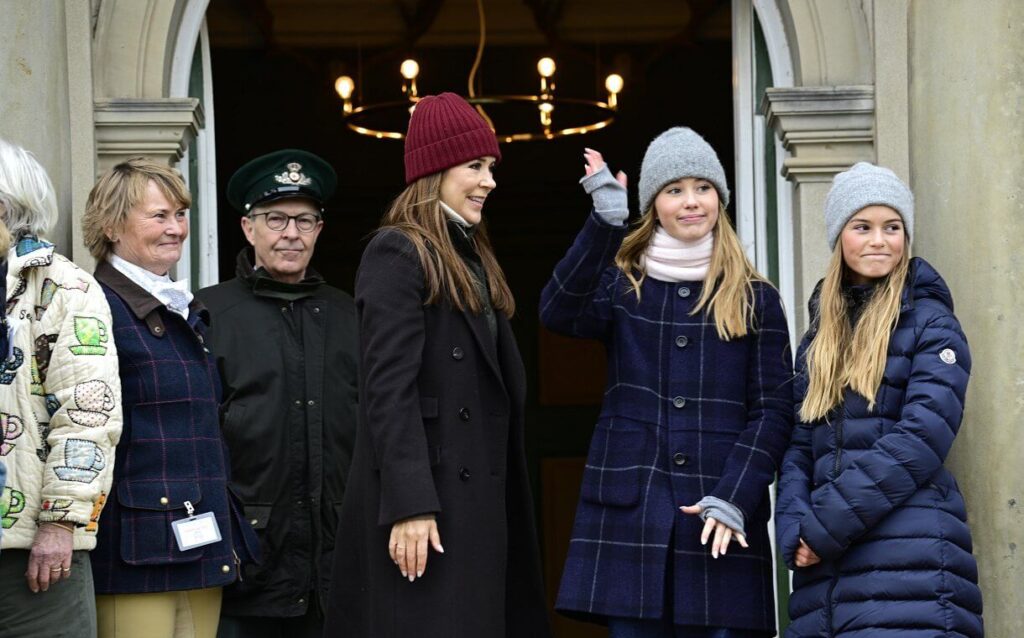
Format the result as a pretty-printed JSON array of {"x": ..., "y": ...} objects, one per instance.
[{"x": 276, "y": 220}]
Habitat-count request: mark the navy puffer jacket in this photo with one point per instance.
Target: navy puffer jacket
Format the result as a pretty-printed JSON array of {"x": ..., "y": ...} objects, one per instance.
[{"x": 868, "y": 492}]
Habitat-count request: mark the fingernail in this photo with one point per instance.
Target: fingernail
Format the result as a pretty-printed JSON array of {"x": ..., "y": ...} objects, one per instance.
[
  {"x": 411, "y": 578},
  {"x": 419, "y": 574},
  {"x": 440, "y": 549},
  {"x": 404, "y": 575}
]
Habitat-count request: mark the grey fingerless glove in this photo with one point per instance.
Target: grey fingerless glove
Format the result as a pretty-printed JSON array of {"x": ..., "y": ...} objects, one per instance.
[
  {"x": 610, "y": 197},
  {"x": 722, "y": 511}
]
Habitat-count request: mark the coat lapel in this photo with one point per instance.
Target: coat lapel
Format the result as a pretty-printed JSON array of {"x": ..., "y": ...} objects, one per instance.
[{"x": 482, "y": 335}]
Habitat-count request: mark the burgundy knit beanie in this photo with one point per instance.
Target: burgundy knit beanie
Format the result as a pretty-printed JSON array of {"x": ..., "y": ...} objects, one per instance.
[{"x": 445, "y": 131}]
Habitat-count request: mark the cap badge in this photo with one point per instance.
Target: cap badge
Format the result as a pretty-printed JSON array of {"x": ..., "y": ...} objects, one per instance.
[{"x": 293, "y": 176}]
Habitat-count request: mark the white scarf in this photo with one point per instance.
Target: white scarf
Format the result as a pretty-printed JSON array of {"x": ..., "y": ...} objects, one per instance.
[
  {"x": 173, "y": 294},
  {"x": 669, "y": 259}
]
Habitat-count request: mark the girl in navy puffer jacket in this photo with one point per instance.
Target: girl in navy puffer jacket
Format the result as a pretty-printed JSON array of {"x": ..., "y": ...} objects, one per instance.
[{"x": 868, "y": 517}]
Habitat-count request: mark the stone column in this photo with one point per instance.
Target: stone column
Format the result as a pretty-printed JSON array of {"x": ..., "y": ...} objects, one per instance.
[
  {"x": 825, "y": 129},
  {"x": 967, "y": 170}
]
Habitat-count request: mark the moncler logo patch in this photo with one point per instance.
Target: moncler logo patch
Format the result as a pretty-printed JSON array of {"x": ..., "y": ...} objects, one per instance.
[{"x": 948, "y": 356}]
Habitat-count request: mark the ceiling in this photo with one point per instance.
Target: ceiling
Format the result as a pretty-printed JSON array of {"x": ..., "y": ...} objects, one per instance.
[{"x": 431, "y": 23}]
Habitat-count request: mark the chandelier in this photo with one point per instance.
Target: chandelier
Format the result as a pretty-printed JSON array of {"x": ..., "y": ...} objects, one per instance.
[{"x": 549, "y": 126}]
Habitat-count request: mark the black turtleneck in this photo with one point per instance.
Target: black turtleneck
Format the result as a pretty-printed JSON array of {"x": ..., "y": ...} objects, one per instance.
[
  {"x": 462, "y": 239},
  {"x": 857, "y": 298}
]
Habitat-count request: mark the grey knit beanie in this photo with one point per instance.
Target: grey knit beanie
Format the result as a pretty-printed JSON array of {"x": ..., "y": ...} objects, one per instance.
[
  {"x": 866, "y": 185},
  {"x": 679, "y": 152}
]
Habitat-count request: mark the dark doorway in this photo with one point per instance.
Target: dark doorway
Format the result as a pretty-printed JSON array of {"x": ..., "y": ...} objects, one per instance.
[{"x": 274, "y": 65}]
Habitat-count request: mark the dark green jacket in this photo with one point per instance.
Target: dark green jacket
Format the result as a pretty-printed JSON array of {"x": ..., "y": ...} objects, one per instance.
[{"x": 287, "y": 356}]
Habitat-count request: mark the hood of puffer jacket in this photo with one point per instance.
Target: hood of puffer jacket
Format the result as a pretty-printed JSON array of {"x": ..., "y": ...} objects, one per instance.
[{"x": 923, "y": 282}]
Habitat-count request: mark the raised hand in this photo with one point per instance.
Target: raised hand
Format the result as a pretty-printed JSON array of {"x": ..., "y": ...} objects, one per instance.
[
  {"x": 595, "y": 162},
  {"x": 607, "y": 192}
]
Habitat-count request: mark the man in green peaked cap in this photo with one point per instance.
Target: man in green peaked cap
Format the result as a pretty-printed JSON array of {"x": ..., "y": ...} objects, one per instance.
[{"x": 285, "y": 343}]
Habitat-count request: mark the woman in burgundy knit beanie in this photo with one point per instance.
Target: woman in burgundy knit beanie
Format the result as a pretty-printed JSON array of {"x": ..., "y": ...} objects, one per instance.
[{"x": 436, "y": 536}]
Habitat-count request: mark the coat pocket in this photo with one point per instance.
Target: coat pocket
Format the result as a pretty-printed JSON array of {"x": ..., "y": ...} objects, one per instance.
[
  {"x": 614, "y": 465},
  {"x": 147, "y": 510}
]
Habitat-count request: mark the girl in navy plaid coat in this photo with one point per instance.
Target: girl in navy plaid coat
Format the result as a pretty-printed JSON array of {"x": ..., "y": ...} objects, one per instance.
[{"x": 697, "y": 412}]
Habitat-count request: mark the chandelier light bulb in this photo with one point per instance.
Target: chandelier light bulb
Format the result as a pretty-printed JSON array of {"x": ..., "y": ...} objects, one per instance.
[
  {"x": 344, "y": 86},
  {"x": 410, "y": 69},
  {"x": 546, "y": 67},
  {"x": 613, "y": 83}
]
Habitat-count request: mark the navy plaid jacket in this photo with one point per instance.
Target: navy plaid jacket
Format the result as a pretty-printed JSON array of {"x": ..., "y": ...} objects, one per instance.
[
  {"x": 685, "y": 415},
  {"x": 171, "y": 451}
]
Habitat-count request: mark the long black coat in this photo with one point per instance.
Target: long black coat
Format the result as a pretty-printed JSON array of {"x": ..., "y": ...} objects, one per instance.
[
  {"x": 441, "y": 431},
  {"x": 287, "y": 356}
]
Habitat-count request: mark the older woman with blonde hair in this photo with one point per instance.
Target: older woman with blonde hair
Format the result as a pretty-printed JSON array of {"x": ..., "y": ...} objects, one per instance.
[
  {"x": 60, "y": 416},
  {"x": 172, "y": 535}
]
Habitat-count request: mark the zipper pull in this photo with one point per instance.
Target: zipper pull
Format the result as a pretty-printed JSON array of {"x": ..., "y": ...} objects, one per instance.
[{"x": 238, "y": 564}]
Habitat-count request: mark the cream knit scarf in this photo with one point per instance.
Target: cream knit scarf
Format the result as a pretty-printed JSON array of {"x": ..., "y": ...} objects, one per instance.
[{"x": 670, "y": 259}]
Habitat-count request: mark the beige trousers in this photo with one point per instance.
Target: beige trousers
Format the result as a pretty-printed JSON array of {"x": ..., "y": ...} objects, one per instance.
[{"x": 175, "y": 614}]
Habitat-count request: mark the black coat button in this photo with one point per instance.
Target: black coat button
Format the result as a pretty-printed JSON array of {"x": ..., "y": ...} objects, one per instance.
[
  {"x": 679, "y": 402},
  {"x": 457, "y": 353},
  {"x": 464, "y": 473},
  {"x": 684, "y": 292},
  {"x": 680, "y": 459},
  {"x": 464, "y": 414},
  {"x": 682, "y": 341}
]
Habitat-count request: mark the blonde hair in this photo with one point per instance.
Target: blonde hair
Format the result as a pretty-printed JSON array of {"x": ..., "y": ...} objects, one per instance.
[
  {"x": 120, "y": 189},
  {"x": 28, "y": 204},
  {"x": 417, "y": 214},
  {"x": 842, "y": 356},
  {"x": 728, "y": 292}
]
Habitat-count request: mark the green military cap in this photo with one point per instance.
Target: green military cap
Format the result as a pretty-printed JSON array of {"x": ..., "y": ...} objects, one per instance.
[{"x": 281, "y": 174}]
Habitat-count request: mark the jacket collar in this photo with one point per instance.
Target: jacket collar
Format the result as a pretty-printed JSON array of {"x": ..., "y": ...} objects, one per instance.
[
  {"x": 143, "y": 305},
  {"x": 263, "y": 285},
  {"x": 923, "y": 282},
  {"x": 29, "y": 252}
]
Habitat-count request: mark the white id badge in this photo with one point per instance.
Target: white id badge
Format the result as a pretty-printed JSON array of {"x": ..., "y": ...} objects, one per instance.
[{"x": 195, "y": 531}]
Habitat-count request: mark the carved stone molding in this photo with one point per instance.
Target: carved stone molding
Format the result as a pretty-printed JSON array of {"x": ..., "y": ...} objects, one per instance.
[
  {"x": 825, "y": 129},
  {"x": 160, "y": 128}
]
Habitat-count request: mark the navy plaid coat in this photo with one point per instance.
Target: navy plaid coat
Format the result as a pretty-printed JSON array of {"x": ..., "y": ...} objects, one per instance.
[
  {"x": 171, "y": 451},
  {"x": 685, "y": 415}
]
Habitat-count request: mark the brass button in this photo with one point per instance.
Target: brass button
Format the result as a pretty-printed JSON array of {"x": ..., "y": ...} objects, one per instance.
[
  {"x": 226, "y": 569},
  {"x": 163, "y": 500}
]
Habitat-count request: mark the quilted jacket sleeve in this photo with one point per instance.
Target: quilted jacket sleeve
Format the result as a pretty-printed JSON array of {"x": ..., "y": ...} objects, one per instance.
[
  {"x": 389, "y": 296},
  {"x": 85, "y": 388},
  {"x": 755, "y": 456},
  {"x": 793, "y": 499},
  {"x": 905, "y": 459},
  {"x": 576, "y": 300}
]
